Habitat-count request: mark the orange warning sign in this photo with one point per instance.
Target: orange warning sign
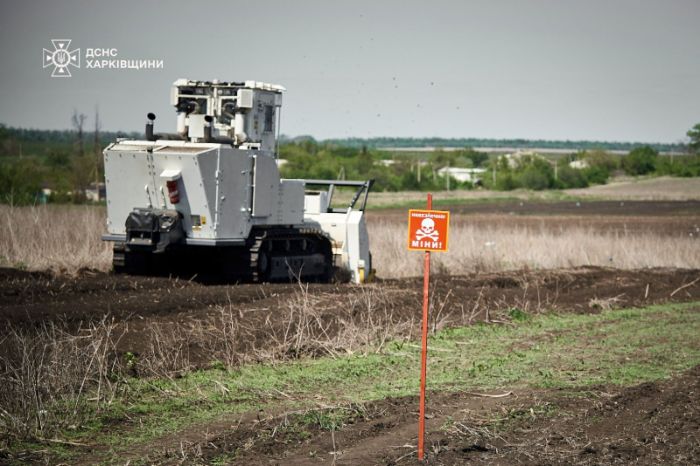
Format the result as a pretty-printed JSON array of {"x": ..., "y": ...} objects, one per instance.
[{"x": 428, "y": 230}]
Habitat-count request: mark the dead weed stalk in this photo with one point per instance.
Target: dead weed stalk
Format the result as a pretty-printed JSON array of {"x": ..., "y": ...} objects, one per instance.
[{"x": 53, "y": 379}]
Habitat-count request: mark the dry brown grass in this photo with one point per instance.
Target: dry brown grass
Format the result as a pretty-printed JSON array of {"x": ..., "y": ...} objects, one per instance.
[
  {"x": 485, "y": 248},
  {"x": 663, "y": 188},
  {"x": 306, "y": 324},
  {"x": 67, "y": 238},
  {"x": 390, "y": 198},
  {"x": 624, "y": 188},
  {"x": 58, "y": 238},
  {"x": 47, "y": 373}
]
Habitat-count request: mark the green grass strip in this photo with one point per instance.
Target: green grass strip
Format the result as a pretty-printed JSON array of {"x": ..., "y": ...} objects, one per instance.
[{"x": 621, "y": 347}]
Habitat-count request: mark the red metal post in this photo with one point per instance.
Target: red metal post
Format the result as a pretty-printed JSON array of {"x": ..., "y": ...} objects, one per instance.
[{"x": 424, "y": 348}]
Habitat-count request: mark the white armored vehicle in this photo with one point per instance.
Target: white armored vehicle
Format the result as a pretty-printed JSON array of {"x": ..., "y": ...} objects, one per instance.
[{"x": 209, "y": 200}]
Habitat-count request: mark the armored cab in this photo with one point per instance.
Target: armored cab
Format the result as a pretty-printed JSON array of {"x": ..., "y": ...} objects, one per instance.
[{"x": 208, "y": 199}]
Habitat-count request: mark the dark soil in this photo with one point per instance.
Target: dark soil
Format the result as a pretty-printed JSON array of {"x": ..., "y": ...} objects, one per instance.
[{"x": 138, "y": 304}]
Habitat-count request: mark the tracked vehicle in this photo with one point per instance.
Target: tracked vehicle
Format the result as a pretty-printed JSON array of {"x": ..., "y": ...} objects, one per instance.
[{"x": 208, "y": 199}]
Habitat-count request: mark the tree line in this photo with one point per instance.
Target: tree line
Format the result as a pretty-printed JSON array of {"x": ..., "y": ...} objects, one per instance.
[
  {"x": 310, "y": 159},
  {"x": 567, "y": 145},
  {"x": 67, "y": 162}
]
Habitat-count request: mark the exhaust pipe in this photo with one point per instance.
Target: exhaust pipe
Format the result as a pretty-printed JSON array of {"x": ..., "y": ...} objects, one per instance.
[
  {"x": 208, "y": 119},
  {"x": 149, "y": 127},
  {"x": 151, "y": 136},
  {"x": 207, "y": 128}
]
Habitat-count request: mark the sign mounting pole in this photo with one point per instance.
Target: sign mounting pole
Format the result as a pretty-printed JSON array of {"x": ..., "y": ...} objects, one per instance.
[
  {"x": 424, "y": 346},
  {"x": 428, "y": 230}
]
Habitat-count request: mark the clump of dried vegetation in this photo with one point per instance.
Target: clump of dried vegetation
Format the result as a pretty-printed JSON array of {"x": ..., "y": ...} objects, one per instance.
[
  {"x": 56, "y": 376},
  {"x": 54, "y": 379},
  {"x": 59, "y": 238},
  {"x": 305, "y": 324},
  {"x": 484, "y": 248},
  {"x": 66, "y": 239}
]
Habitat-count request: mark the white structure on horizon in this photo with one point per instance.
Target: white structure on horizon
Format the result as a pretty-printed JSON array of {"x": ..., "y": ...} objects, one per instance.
[
  {"x": 578, "y": 164},
  {"x": 514, "y": 159},
  {"x": 462, "y": 175}
]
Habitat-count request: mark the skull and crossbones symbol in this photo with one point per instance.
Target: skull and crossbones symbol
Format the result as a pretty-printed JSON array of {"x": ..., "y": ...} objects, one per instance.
[{"x": 427, "y": 230}]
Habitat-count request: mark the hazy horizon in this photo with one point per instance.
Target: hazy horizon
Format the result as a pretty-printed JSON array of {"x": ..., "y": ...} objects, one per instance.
[
  {"x": 553, "y": 70},
  {"x": 89, "y": 130}
]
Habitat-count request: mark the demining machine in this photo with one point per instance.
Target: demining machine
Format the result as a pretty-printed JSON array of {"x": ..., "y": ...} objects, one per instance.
[{"x": 208, "y": 199}]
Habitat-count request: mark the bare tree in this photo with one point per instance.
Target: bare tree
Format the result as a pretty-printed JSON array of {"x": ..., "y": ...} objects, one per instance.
[
  {"x": 78, "y": 121},
  {"x": 82, "y": 166},
  {"x": 98, "y": 151},
  {"x": 97, "y": 130}
]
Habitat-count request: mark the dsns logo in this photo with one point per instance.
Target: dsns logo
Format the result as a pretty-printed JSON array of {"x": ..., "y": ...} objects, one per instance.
[{"x": 61, "y": 58}]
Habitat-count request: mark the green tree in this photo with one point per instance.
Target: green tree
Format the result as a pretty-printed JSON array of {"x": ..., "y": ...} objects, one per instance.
[
  {"x": 505, "y": 181},
  {"x": 600, "y": 159},
  {"x": 20, "y": 181},
  {"x": 477, "y": 158},
  {"x": 82, "y": 174},
  {"x": 571, "y": 178},
  {"x": 8, "y": 144},
  {"x": 679, "y": 166},
  {"x": 640, "y": 161},
  {"x": 596, "y": 174},
  {"x": 535, "y": 177},
  {"x": 600, "y": 164},
  {"x": 694, "y": 135},
  {"x": 364, "y": 161},
  {"x": 443, "y": 158}
]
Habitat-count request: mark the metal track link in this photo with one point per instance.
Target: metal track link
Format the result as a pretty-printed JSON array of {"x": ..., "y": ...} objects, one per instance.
[
  {"x": 255, "y": 255},
  {"x": 118, "y": 257},
  {"x": 272, "y": 247}
]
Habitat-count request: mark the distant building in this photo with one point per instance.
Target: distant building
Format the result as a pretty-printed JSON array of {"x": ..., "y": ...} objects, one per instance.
[
  {"x": 44, "y": 195},
  {"x": 472, "y": 175},
  {"x": 96, "y": 192},
  {"x": 514, "y": 159},
  {"x": 579, "y": 164}
]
